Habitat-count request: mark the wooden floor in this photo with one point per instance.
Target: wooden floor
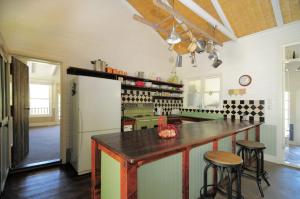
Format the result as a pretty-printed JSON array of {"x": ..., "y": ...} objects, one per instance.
[
  {"x": 57, "y": 182},
  {"x": 63, "y": 183}
]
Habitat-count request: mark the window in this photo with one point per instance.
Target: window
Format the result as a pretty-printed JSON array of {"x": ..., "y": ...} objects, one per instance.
[
  {"x": 212, "y": 92},
  {"x": 203, "y": 92},
  {"x": 194, "y": 94},
  {"x": 40, "y": 99}
]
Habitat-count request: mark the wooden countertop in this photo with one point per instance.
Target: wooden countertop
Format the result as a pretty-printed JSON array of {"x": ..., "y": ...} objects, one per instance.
[{"x": 145, "y": 144}]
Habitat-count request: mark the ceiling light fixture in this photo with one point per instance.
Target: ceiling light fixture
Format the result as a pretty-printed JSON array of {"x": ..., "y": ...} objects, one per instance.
[{"x": 173, "y": 38}]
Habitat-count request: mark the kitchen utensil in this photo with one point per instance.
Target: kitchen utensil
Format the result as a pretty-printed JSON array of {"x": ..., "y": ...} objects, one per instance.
[
  {"x": 109, "y": 69},
  {"x": 140, "y": 83},
  {"x": 99, "y": 65},
  {"x": 193, "y": 59},
  {"x": 148, "y": 84},
  {"x": 192, "y": 47},
  {"x": 140, "y": 74},
  {"x": 213, "y": 55},
  {"x": 201, "y": 44},
  {"x": 217, "y": 62},
  {"x": 179, "y": 61}
]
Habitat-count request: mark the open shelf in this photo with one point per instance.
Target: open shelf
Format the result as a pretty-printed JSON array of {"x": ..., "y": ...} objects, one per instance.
[
  {"x": 167, "y": 97},
  {"x": 86, "y": 72},
  {"x": 130, "y": 87}
]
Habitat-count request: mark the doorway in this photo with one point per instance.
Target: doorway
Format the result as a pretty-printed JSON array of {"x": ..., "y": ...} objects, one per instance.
[
  {"x": 44, "y": 113},
  {"x": 291, "y": 104}
]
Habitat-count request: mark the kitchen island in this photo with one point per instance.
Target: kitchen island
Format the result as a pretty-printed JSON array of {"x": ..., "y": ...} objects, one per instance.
[{"x": 141, "y": 165}]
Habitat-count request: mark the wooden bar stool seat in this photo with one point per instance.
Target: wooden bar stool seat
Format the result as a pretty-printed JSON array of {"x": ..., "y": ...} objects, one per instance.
[
  {"x": 247, "y": 148},
  {"x": 250, "y": 144},
  {"x": 225, "y": 162},
  {"x": 223, "y": 158}
]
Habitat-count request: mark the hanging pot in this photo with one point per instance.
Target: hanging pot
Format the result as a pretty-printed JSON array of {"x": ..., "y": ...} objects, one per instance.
[
  {"x": 201, "y": 44},
  {"x": 217, "y": 62},
  {"x": 178, "y": 61},
  {"x": 192, "y": 47}
]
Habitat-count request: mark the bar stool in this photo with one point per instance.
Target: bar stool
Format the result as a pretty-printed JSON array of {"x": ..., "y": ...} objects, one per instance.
[
  {"x": 247, "y": 148},
  {"x": 223, "y": 161}
]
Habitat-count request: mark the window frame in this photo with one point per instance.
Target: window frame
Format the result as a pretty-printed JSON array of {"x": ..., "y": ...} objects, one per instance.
[
  {"x": 50, "y": 98},
  {"x": 202, "y": 92}
]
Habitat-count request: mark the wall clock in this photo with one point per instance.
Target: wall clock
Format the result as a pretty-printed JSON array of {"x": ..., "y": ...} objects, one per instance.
[{"x": 245, "y": 80}]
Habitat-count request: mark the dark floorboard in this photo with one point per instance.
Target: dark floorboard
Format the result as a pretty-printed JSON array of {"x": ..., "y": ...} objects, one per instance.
[
  {"x": 57, "y": 182},
  {"x": 63, "y": 183}
]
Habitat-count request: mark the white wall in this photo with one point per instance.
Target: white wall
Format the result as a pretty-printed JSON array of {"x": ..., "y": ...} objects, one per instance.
[
  {"x": 259, "y": 55},
  {"x": 73, "y": 32}
]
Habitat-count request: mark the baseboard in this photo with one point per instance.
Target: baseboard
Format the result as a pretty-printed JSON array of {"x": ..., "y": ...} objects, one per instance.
[
  {"x": 44, "y": 124},
  {"x": 35, "y": 166},
  {"x": 271, "y": 158}
]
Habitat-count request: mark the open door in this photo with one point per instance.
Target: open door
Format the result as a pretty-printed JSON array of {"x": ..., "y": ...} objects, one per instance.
[
  {"x": 20, "y": 111},
  {"x": 4, "y": 119}
]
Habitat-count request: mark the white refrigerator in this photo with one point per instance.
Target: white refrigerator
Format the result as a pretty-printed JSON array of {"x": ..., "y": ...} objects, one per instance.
[{"x": 96, "y": 109}]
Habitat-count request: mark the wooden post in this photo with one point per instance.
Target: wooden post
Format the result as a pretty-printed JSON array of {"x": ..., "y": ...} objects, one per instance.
[
  {"x": 257, "y": 133},
  {"x": 95, "y": 171},
  {"x": 234, "y": 143},
  {"x": 128, "y": 180},
  {"x": 215, "y": 148},
  {"x": 246, "y": 135},
  {"x": 185, "y": 173}
]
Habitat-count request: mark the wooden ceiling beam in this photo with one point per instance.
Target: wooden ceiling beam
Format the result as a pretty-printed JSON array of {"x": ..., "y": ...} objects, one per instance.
[
  {"x": 190, "y": 25},
  {"x": 156, "y": 26},
  {"x": 222, "y": 15},
  {"x": 207, "y": 17},
  {"x": 277, "y": 12}
]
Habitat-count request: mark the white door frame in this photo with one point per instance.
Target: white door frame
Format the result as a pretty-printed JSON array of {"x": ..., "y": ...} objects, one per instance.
[
  {"x": 282, "y": 145},
  {"x": 62, "y": 122}
]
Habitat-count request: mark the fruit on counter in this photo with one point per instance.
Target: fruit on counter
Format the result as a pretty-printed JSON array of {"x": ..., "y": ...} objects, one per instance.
[{"x": 167, "y": 133}]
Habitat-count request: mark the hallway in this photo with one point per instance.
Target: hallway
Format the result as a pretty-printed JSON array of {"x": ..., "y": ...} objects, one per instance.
[
  {"x": 44, "y": 144},
  {"x": 292, "y": 154}
]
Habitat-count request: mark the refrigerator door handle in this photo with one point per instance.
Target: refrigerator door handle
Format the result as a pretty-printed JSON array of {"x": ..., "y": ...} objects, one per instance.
[{"x": 80, "y": 132}]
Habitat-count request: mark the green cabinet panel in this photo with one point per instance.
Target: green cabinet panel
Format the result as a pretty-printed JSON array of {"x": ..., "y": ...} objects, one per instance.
[
  {"x": 161, "y": 179},
  {"x": 251, "y": 134},
  {"x": 110, "y": 177},
  {"x": 197, "y": 165},
  {"x": 268, "y": 136},
  {"x": 225, "y": 144}
]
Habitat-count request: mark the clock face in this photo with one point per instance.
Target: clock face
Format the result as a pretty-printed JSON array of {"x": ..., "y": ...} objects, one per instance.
[{"x": 245, "y": 80}]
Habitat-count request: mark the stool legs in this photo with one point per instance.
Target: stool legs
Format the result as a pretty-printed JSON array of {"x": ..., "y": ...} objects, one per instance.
[
  {"x": 258, "y": 173},
  {"x": 264, "y": 173},
  {"x": 229, "y": 191},
  {"x": 238, "y": 184},
  {"x": 205, "y": 179},
  {"x": 229, "y": 184}
]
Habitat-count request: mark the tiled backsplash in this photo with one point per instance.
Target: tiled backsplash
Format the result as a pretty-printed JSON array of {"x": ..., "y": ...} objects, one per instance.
[
  {"x": 253, "y": 110},
  {"x": 138, "y": 96}
]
